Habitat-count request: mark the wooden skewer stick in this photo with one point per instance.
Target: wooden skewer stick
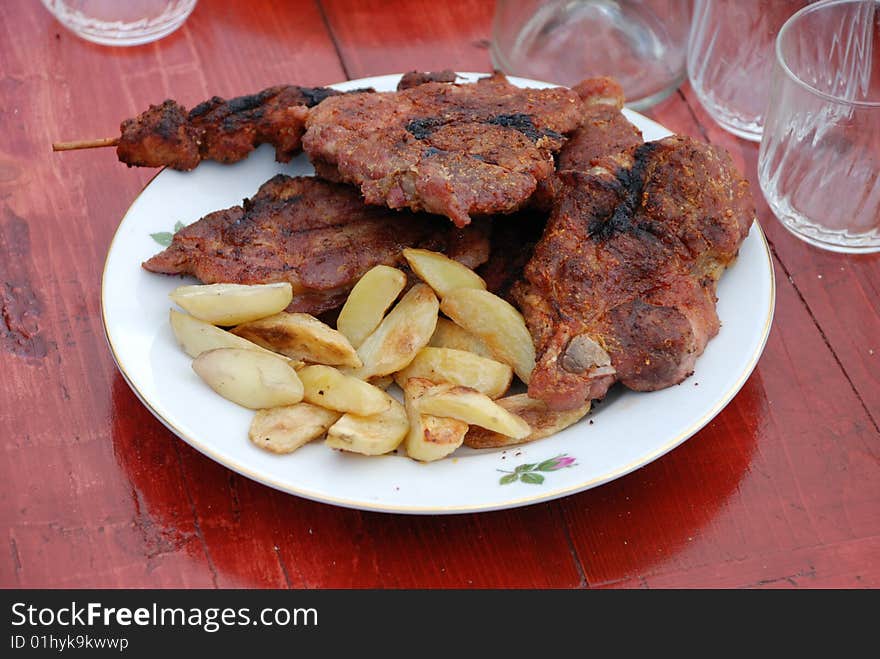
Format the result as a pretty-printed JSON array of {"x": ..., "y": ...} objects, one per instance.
[{"x": 85, "y": 144}]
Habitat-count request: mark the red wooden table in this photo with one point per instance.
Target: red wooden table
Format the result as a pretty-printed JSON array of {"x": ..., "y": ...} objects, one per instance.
[{"x": 782, "y": 489}]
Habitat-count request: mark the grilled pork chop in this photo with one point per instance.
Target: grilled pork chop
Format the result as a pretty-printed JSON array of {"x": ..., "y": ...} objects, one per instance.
[
  {"x": 454, "y": 150},
  {"x": 622, "y": 285},
  {"x": 316, "y": 235},
  {"x": 603, "y": 131}
]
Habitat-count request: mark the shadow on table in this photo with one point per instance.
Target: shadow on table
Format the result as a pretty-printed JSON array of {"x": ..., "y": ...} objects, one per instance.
[
  {"x": 253, "y": 536},
  {"x": 656, "y": 516}
]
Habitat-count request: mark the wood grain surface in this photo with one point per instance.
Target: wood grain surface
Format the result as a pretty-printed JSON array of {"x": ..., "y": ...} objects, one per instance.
[{"x": 782, "y": 489}]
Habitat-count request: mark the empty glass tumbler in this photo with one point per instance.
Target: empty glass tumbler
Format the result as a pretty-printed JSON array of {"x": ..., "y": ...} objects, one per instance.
[
  {"x": 819, "y": 162},
  {"x": 121, "y": 22},
  {"x": 641, "y": 43},
  {"x": 730, "y": 59}
]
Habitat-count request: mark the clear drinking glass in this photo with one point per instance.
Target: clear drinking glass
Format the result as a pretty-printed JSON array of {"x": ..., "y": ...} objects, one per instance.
[
  {"x": 730, "y": 59},
  {"x": 641, "y": 43},
  {"x": 121, "y": 22},
  {"x": 819, "y": 162}
]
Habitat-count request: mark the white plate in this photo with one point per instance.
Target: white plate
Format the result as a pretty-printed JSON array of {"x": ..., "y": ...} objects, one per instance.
[{"x": 628, "y": 431}]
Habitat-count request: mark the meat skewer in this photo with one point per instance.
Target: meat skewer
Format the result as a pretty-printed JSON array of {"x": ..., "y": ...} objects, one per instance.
[
  {"x": 85, "y": 144},
  {"x": 166, "y": 135}
]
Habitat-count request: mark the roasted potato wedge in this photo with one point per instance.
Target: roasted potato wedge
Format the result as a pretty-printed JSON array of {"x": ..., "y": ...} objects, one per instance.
[
  {"x": 368, "y": 301},
  {"x": 382, "y": 381},
  {"x": 543, "y": 422},
  {"x": 399, "y": 337},
  {"x": 327, "y": 387},
  {"x": 430, "y": 437},
  {"x": 285, "y": 429},
  {"x": 458, "y": 367},
  {"x": 497, "y": 323},
  {"x": 252, "y": 379},
  {"x": 231, "y": 304},
  {"x": 472, "y": 407},
  {"x": 449, "y": 335},
  {"x": 440, "y": 272},
  {"x": 370, "y": 435},
  {"x": 196, "y": 336},
  {"x": 439, "y": 437},
  {"x": 300, "y": 336}
]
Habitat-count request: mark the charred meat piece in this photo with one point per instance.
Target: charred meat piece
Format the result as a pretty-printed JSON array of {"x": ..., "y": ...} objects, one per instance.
[
  {"x": 454, "y": 150},
  {"x": 160, "y": 137},
  {"x": 226, "y": 131},
  {"x": 416, "y": 78},
  {"x": 316, "y": 235},
  {"x": 603, "y": 131},
  {"x": 512, "y": 243},
  {"x": 622, "y": 285}
]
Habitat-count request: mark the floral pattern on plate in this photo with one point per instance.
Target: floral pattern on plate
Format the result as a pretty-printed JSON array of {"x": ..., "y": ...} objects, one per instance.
[{"x": 527, "y": 472}]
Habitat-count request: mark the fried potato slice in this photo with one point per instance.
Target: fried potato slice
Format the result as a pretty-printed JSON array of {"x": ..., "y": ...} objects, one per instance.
[
  {"x": 430, "y": 437},
  {"x": 449, "y": 335},
  {"x": 441, "y": 436},
  {"x": 440, "y": 272},
  {"x": 458, "y": 367},
  {"x": 368, "y": 301},
  {"x": 300, "y": 336},
  {"x": 370, "y": 435},
  {"x": 472, "y": 407},
  {"x": 231, "y": 304},
  {"x": 196, "y": 336},
  {"x": 543, "y": 422},
  {"x": 252, "y": 379},
  {"x": 399, "y": 337},
  {"x": 382, "y": 381},
  {"x": 327, "y": 387},
  {"x": 284, "y": 429},
  {"x": 497, "y": 323}
]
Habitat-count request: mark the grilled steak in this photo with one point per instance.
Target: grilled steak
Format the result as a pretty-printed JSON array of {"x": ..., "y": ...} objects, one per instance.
[
  {"x": 316, "y": 235},
  {"x": 603, "y": 131},
  {"x": 622, "y": 285},
  {"x": 454, "y": 150}
]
